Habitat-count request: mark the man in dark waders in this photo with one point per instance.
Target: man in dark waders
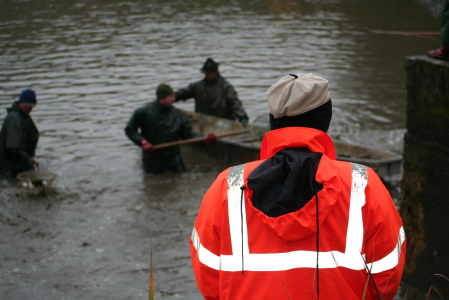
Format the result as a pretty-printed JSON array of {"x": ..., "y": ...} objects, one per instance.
[
  {"x": 19, "y": 137},
  {"x": 214, "y": 95},
  {"x": 298, "y": 224},
  {"x": 159, "y": 122}
]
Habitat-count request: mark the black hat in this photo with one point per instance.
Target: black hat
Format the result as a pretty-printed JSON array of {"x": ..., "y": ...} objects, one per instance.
[
  {"x": 209, "y": 66},
  {"x": 318, "y": 118},
  {"x": 163, "y": 90},
  {"x": 28, "y": 96}
]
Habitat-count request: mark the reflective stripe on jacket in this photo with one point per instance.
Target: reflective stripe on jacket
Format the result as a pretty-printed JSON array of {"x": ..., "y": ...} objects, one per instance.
[
  {"x": 240, "y": 253},
  {"x": 242, "y": 259}
]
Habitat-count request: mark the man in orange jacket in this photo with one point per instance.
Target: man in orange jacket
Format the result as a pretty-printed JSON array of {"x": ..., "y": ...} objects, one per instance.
[{"x": 298, "y": 224}]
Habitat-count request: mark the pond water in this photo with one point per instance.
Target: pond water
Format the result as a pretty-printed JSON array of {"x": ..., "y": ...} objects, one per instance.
[{"x": 92, "y": 63}]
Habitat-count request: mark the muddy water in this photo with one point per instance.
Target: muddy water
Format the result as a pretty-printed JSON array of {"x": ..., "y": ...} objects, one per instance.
[{"x": 92, "y": 63}]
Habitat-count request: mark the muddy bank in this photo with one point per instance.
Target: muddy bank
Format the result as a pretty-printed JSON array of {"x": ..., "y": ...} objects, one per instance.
[{"x": 87, "y": 239}]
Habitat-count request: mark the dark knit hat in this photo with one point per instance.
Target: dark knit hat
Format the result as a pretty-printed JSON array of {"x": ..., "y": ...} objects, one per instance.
[
  {"x": 209, "y": 66},
  {"x": 163, "y": 90},
  {"x": 28, "y": 96}
]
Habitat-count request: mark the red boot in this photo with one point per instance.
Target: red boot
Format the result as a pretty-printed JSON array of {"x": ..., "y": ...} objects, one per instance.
[{"x": 442, "y": 53}]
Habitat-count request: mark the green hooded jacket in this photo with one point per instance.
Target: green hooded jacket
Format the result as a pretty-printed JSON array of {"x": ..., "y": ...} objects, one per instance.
[
  {"x": 159, "y": 124},
  {"x": 444, "y": 29},
  {"x": 18, "y": 141},
  {"x": 217, "y": 98}
]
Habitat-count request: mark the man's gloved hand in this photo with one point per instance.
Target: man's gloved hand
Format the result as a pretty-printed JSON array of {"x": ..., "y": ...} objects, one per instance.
[
  {"x": 24, "y": 155},
  {"x": 210, "y": 138},
  {"x": 146, "y": 145},
  {"x": 34, "y": 164},
  {"x": 244, "y": 122}
]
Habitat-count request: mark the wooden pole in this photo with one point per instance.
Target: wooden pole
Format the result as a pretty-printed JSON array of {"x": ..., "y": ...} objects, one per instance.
[
  {"x": 198, "y": 139},
  {"x": 417, "y": 33},
  {"x": 151, "y": 288}
]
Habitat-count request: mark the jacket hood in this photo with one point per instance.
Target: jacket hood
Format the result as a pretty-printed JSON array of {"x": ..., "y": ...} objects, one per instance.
[
  {"x": 284, "y": 188},
  {"x": 313, "y": 139},
  {"x": 212, "y": 82},
  {"x": 14, "y": 107},
  {"x": 161, "y": 107}
]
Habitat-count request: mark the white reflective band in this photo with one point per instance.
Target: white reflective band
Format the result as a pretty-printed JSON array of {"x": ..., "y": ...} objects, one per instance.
[
  {"x": 392, "y": 259},
  {"x": 351, "y": 259},
  {"x": 205, "y": 256},
  {"x": 292, "y": 260},
  {"x": 236, "y": 209},
  {"x": 354, "y": 235}
]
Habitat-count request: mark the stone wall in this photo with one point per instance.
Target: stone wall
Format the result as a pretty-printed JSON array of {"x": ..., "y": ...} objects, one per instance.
[{"x": 425, "y": 185}]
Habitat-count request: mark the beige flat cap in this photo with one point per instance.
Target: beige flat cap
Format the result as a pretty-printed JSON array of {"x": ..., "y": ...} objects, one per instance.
[{"x": 296, "y": 94}]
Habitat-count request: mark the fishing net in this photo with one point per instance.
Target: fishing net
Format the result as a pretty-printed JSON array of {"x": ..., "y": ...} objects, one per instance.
[{"x": 36, "y": 179}]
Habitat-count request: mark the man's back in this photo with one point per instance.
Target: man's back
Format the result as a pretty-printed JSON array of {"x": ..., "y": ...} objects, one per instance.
[
  {"x": 273, "y": 253},
  {"x": 298, "y": 224}
]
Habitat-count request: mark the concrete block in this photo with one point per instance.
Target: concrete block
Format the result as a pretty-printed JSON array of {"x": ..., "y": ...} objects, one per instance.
[{"x": 425, "y": 186}]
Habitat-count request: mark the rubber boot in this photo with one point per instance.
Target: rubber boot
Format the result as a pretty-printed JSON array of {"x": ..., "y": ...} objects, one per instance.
[{"x": 442, "y": 53}]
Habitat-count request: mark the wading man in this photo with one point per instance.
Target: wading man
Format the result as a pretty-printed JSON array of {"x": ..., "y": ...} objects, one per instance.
[
  {"x": 214, "y": 95},
  {"x": 19, "y": 137},
  {"x": 298, "y": 224},
  {"x": 159, "y": 122}
]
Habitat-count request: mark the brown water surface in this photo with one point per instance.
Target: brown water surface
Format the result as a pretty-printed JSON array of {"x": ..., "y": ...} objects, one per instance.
[{"x": 92, "y": 63}]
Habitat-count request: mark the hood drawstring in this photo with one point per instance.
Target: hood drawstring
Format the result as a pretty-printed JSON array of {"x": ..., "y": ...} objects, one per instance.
[
  {"x": 317, "y": 250},
  {"x": 317, "y": 241},
  {"x": 241, "y": 223}
]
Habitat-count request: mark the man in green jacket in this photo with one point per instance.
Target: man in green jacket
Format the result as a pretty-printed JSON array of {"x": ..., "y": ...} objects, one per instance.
[
  {"x": 159, "y": 122},
  {"x": 443, "y": 51},
  {"x": 214, "y": 95},
  {"x": 19, "y": 137}
]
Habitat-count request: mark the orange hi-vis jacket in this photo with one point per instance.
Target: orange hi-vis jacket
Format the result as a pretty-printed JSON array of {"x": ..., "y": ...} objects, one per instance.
[{"x": 238, "y": 252}]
